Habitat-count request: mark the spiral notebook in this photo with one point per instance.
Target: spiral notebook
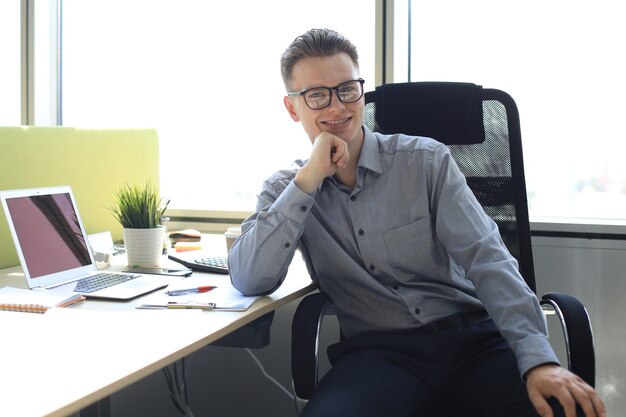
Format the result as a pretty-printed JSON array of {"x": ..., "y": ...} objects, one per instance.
[{"x": 20, "y": 299}]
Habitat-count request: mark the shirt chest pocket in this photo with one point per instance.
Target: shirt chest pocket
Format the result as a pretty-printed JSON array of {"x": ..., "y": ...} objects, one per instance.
[{"x": 412, "y": 251}]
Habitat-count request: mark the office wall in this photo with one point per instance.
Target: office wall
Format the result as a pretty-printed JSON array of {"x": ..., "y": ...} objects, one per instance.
[
  {"x": 100, "y": 161},
  {"x": 226, "y": 382}
]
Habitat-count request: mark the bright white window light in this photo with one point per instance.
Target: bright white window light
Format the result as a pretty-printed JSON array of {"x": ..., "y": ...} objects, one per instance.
[{"x": 206, "y": 75}]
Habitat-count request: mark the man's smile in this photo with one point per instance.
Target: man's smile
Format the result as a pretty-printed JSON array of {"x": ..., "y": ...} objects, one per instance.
[{"x": 337, "y": 122}]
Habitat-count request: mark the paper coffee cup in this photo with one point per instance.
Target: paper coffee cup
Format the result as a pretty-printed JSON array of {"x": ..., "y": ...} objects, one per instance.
[{"x": 232, "y": 233}]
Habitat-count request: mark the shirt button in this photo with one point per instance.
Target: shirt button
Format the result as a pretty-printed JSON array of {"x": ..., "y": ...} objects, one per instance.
[
  {"x": 396, "y": 287},
  {"x": 372, "y": 267},
  {"x": 287, "y": 244},
  {"x": 302, "y": 208},
  {"x": 361, "y": 232},
  {"x": 352, "y": 198},
  {"x": 417, "y": 310}
]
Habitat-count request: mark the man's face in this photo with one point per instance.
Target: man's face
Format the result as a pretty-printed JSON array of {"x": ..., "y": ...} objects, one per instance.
[{"x": 343, "y": 120}]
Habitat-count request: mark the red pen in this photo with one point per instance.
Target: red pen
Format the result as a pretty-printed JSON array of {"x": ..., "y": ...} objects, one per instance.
[{"x": 203, "y": 288}]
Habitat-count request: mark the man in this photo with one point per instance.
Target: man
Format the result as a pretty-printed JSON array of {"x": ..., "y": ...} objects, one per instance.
[{"x": 390, "y": 231}]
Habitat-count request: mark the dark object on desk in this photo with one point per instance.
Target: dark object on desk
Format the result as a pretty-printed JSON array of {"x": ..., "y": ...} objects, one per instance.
[
  {"x": 187, "y": 235},
  {"x": 482, "y": 129},
  {"x": 201, "y": 261}
]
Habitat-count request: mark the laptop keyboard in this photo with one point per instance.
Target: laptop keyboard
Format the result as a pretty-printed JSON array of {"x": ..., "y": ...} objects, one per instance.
[{"x": 102, "y": 280}]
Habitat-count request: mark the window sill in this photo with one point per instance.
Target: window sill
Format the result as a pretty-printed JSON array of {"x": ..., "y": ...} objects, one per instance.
[
  {"x": 206, "y": 221},
  {"x": 578, "y": 228},
  {"x": 210, "y": 221}
]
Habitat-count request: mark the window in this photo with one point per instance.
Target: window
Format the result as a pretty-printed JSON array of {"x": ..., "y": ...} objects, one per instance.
[
  {"x": 561, "y": 62},
  {"x": 46, "y": 54},
  {"x": 10, "y": 68},
  {"x": 206, "y": 75}
]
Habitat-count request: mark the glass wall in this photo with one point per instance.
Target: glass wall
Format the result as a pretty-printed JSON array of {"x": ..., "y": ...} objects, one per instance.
[
  {"x": 10, "y": 90},
  {"x": 561, "y": 61},
  {"x": 206, "y": 75},
  {"x": 47, "y": 60}
]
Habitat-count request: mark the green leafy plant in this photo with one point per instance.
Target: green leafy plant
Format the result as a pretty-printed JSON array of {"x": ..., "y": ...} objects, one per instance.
[{"x": 138, "y": 206}]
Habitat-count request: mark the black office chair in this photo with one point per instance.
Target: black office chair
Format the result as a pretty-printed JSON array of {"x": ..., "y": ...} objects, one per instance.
[{"x": 482, "y": 129}]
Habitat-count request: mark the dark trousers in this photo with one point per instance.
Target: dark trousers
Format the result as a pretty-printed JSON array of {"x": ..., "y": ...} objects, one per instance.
[{"x": 469, "y": 371}]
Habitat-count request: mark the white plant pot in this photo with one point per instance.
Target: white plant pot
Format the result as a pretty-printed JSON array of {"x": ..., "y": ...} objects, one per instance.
[{"x": 144, "y": 247}]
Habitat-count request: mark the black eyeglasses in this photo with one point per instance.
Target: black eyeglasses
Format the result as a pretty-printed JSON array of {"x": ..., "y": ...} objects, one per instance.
[{"x": 318, "y": 98}]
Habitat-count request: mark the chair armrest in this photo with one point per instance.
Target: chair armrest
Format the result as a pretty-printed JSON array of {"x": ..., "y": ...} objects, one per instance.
[
  {"x": 305, "y": 331},
  {"x": 578, "y": 334}
]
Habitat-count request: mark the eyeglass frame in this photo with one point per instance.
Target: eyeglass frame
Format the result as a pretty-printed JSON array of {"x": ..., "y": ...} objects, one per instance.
[{"x": 361, "y": 81}]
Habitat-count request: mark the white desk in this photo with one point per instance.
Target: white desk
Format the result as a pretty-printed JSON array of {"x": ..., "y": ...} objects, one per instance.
[{"x": 100, "y": 347}]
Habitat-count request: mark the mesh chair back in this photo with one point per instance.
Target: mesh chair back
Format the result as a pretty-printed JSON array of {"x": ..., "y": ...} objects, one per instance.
[{"x": 482, "y": 129}]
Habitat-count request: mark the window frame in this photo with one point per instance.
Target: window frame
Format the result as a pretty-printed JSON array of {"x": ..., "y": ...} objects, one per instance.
[{"x": 216, "y": 220}]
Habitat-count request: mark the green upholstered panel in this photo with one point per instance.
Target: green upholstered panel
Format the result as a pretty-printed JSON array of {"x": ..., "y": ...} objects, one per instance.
[{"x": 93, "y": 162}]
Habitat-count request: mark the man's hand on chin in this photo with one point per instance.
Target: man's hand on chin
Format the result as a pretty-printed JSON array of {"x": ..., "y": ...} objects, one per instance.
[{"x": 329, "y": 153}]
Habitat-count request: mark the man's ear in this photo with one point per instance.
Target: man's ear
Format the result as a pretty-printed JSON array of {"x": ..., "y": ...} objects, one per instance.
[{"x": 291, "y": 109}]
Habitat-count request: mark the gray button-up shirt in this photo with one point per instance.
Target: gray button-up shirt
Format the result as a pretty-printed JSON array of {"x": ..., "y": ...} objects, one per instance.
[{"x": 408, "y": 245}]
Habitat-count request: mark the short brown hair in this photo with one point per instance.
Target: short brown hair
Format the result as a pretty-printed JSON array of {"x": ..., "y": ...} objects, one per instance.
[{"x": 315, "y": 43}]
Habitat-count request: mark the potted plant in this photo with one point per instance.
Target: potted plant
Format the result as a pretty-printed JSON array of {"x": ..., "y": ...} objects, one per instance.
[{"x": 139, "y": 209}]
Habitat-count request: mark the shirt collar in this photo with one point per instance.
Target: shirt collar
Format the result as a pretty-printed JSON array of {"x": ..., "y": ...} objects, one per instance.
[{"x": 369, "y": 158}]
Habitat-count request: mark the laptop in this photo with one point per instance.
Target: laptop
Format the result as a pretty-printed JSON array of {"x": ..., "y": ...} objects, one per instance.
[{"x": 53, "y": 248}]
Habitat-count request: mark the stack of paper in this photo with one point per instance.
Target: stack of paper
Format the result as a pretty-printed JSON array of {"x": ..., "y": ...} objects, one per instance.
[{"x": 223, "y": 297}]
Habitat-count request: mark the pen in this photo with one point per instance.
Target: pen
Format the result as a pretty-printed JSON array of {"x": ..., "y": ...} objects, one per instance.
[{"x": 204, "y": 288}]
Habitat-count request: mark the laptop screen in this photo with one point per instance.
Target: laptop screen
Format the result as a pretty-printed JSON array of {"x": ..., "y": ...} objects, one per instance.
[{"x": 49, "y": 233}]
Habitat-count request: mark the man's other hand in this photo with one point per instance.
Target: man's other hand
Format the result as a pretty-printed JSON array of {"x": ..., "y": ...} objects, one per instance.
[{"x": 551, "y": 380}]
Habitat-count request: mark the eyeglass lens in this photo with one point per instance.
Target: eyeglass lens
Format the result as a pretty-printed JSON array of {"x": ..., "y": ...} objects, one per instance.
[{"x": 348, "y": 92}]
